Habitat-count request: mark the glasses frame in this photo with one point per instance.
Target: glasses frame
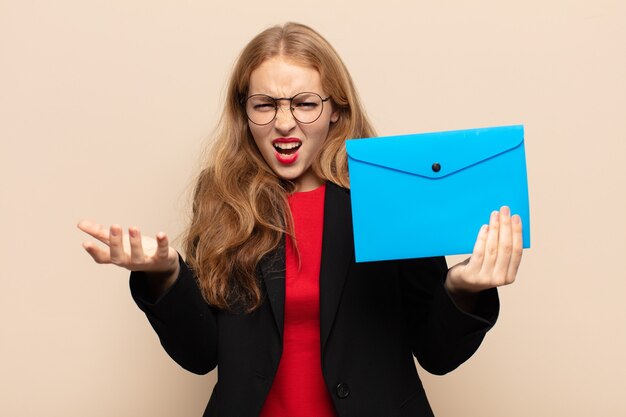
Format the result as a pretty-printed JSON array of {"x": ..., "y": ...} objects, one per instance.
[{"x": 244, "y": 102}]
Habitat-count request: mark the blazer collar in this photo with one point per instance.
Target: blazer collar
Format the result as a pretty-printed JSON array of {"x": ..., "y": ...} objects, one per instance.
[{"x": 337, "y": 255}]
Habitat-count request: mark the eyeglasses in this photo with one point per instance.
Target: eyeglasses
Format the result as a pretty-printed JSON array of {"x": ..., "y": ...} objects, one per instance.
[{"x": 306, "y": 107}]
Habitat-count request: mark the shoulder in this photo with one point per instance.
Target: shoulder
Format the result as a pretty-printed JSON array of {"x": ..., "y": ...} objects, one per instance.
[
  {"x": 338, "y": 198},
  {"x": 337, "y": 191}
]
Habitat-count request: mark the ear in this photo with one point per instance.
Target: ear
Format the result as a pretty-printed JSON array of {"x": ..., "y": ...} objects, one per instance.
[{"x": 334, "y": 116}]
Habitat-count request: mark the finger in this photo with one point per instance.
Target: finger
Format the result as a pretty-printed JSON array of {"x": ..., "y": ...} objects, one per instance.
[
  {"x": 136, "y": 248},
  {"x": 478, "y": 253},
  {"x": 491, "y": 245},
  {"x": 518, "y": 247},
  {"x": 118, "y": 256},
  {"x": 99, "y": 255},
  {"x": 163, "y": 246},
  {"x": 505, "y": 245},
  {"x": 95, "y": 230}
]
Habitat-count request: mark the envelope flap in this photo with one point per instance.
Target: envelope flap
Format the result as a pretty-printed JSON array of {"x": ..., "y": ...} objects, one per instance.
[{"x": 436, "y": 155}]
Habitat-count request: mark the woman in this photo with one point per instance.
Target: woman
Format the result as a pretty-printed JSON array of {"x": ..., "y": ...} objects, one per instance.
[{"x": 270, "y": 292}]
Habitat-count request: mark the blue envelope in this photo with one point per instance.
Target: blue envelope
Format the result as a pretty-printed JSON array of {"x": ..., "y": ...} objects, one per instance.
[{"x": 428, "y": 194}]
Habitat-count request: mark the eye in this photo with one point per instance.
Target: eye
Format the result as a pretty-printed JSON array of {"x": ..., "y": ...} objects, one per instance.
[
  {"x": 306, "y": 105},
  {"x": 263, "y": 107},
  {"x": 261, "y": 103},
  {"x": 306, "y": 102}
]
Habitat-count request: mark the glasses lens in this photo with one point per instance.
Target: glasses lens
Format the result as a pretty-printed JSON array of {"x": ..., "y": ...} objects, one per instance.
[
  {"x": 307, "y": 107},
  {"x": 261, "y": 109}
]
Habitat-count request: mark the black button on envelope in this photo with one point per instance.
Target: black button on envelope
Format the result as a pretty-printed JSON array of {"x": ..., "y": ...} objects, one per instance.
[
  {"x": 343, "y": 391},
  {"x": 436, "y": 167}
]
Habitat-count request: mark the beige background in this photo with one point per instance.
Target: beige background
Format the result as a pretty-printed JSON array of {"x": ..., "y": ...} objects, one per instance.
[{"x": 104, "y": 106}]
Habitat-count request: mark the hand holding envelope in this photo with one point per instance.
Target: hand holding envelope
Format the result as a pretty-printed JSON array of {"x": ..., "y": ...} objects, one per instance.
[{"x": 496, "y": 257}]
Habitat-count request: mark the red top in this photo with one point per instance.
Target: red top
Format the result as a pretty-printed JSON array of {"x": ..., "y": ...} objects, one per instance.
[{"x": 299, "y": 389}]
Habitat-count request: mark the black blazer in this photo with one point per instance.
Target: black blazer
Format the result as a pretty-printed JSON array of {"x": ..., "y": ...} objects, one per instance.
[{"x": 374, "y": 317}]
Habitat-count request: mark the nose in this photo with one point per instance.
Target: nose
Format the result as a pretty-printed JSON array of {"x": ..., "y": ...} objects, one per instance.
[{"x": 284, "y": 118}]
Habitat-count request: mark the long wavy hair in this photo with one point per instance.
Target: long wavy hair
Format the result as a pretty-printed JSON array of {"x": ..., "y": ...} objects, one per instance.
[{"x": 240, "y": 209}]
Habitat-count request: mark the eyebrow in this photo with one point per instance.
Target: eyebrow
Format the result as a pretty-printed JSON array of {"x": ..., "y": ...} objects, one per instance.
[{"x": 286, "y": 97}]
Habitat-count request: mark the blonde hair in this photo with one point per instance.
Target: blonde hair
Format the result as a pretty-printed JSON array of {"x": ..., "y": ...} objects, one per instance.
[{"x": 240, "y": 210}]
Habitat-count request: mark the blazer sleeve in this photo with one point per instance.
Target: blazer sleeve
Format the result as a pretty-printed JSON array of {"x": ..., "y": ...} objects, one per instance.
[
  {"x": 183, "y": 320},
  {"x": 443, "y": 336}
]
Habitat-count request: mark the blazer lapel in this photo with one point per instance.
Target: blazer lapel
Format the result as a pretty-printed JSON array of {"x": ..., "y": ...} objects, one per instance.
[
  {"x": 337, "y": 254},
  {"x": 273, "y": 271}
]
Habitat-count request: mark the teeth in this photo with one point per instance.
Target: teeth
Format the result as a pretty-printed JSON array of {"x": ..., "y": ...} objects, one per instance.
[{"x": 289, "y": 145}]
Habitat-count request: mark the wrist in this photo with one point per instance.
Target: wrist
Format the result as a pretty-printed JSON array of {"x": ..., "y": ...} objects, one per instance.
[
  {"x": 464, "y": 299},
  {"x": 160, "y": 281}
]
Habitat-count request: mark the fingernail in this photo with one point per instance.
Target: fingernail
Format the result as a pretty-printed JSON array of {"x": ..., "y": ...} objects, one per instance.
[
  {"x": 113, "y": 231},
  {"x": 494, "y": 215},
  {"x": 516, "y": 219},
  {"x": 506, "y": 210},
  {"x": 132, "y": 232}
]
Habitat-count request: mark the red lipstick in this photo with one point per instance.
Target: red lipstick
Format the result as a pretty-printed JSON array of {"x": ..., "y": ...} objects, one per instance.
[{"x": 286, "y": 149}]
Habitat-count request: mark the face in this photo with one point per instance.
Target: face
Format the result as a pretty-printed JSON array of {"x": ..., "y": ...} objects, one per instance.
[{"x": 288, "y": 146}]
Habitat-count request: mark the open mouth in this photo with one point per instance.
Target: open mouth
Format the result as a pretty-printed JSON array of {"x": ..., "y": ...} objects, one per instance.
[{"x": 287, "y": 148}]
